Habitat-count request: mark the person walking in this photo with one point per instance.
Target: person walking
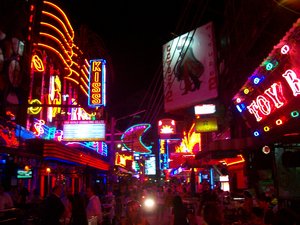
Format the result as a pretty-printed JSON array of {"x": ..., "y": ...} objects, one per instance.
[{"x": 93, "y": 208}]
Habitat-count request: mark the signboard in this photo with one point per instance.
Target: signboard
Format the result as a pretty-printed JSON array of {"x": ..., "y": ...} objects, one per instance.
[
  {"x": 163, "y": 154},
  {"x": 84, "y": 130},
  {"x": 166, "y": 127},
  {"x": 97, "y": 83},
  {"x": 189, "y": 69},
  {"x": 150, "y": 165},
  {"x": 206, "y": 125},
  {"x": 270, "y": 98}
]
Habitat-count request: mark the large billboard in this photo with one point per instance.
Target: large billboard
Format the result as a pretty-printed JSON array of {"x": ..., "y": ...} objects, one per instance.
[
  {"x": 85, "y": 130},
  {"x": 189, "y": 69},
  {"x": 270, "y": 98}
]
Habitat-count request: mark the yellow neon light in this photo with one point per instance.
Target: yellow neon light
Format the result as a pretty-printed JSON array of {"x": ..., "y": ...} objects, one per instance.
[
  {"x": 241, "y": 160},
  {"x": 189, "y": 140},
  {"x": 59, "y": 32},
  {"x": 34, "y": 109},
  {"x": 63, "y": 14},
  {"x": 58, "y": 41},
  {"x": 55, "y": 51},
  {"x": 71, "y": 79},
  {"x": 84, "y": 74},
  {"x": 83, "y": 81},
  {"x": 37, "y": 63},
  {"x": 59, "y": 21},
  {"x": 85, "y": 92}
]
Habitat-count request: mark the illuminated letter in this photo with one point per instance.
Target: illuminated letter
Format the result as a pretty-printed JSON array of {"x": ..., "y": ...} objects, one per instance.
[
  {"x": 253, "y": 109},
  {"x": 275, "y": 93},
  {"x": 264, "y": 105},
  {"x": 96, "y": 66},
  {"x": 293, "y": 81}
]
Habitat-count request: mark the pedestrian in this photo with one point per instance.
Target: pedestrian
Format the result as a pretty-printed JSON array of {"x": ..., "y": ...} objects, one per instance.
[
  {"x": 52, "y": 208},
  {"x": 179, "y": 213},
  {"x": 93, "y": 208},
  {"x": 133, "y": 214},
  {"x": 78, "y": 215}
]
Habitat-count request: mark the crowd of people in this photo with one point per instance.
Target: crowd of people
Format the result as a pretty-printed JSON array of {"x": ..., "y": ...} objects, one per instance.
[{"x": 175, "y": 205}]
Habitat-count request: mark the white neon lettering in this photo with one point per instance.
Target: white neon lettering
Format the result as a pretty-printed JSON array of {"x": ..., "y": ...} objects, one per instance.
[
  {"x": 293, "y": 81},
  {"x": 253, "y": 109},
  {"x": 275, "y": 94},
  {"x": 263, "y": 104}
]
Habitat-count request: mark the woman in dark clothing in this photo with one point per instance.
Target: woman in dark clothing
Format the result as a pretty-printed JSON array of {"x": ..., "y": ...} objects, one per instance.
[
  {"x": 179, "y": 212},
  {"x": 78, "y": 216}
]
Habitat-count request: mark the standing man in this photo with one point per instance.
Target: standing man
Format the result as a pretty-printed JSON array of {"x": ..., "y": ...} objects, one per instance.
[
  {"x": 93, "y": 207},
  {"x": 53, "y": 208}
]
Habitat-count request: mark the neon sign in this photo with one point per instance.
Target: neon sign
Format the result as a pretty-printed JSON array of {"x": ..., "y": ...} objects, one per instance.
[
  {"x": 34, "y": 109},
  {"x": 270, "y": 97},
  {"x": 166, "y": 126},
  {"x": 132, "y": 138},
  {"x": 122, "y": 158},
  {"x": 97, "y": 83},
  {"x": 37, "y": 63}
]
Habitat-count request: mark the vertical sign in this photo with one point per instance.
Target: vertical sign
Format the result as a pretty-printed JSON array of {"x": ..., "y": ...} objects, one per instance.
[
  {"x": 163, "y": 154},
  {"x": 97, "y": 83}
]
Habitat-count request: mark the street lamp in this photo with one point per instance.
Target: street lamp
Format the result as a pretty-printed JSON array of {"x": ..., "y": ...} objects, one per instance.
[{"x": 48, "y": 170}]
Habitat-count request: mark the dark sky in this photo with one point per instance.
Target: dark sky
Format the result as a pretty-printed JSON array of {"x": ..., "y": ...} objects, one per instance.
[{"x": 133, "y": 33}]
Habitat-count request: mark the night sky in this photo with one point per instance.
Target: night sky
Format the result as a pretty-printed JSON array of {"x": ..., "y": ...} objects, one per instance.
[{"x": 133, "y": 33}]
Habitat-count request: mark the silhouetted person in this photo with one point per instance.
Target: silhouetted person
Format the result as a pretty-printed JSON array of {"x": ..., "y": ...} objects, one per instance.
[
  {"x": 78, "y": 215},
  {"x": 180, "y": 212},
  {"x": 53, "y": 208}
]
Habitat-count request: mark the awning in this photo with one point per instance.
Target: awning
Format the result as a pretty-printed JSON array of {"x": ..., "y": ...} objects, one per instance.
[{"x": 58, "y": 151}]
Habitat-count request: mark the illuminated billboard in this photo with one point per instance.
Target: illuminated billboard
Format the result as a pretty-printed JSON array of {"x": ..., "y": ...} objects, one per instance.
[
  {"x": 85, "y": 130},
  {"x": 97, "y": 83},
  {"x": 166, "y": 127},
  {"x": 209, "y": 124},
  {"x": 189, "y": 69},
  {"x": 270, "y": 98},
  {"x": 150, "y": 165}
]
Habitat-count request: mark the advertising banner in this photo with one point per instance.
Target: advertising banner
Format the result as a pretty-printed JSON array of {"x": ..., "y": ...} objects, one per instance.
[{"x": 189, "y": 69}]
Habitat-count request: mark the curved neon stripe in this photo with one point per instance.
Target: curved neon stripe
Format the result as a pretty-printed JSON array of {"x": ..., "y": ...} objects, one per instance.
[
  {"x": 58, "y": 41},
  {"x": 71, "y": 79},
  {"x": 84, "y": 91},
  {"x": 48, "y": 25},
  {"x": 59, "y": 32},
  {"x": 133, "y": 135},
  {"x": 63, "y": 14},
  {"x": 55, "y": 51},
  {"x": 59, "y": 21},
  {"x": 84, "y": 75},
  {"x": 85, "y": 84}
]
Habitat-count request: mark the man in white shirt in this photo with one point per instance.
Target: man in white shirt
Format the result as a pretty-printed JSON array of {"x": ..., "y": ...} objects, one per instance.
[
  {"x": 6, "y": 201},
  {"x": 93, "y": 207}
]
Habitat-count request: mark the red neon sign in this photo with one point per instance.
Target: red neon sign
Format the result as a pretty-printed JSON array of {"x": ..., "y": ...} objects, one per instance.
[{"x": 270, "y": 97}]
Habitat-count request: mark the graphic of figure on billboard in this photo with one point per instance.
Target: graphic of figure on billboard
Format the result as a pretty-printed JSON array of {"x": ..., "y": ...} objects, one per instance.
[{"x": 188, "y": 68}]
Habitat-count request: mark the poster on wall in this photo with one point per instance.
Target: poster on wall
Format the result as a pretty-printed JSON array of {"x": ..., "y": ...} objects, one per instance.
[{"x": 189, "y": 69}]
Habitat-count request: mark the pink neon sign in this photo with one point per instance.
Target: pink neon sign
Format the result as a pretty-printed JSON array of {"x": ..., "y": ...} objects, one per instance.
[{"x": 270, "y": 98}]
